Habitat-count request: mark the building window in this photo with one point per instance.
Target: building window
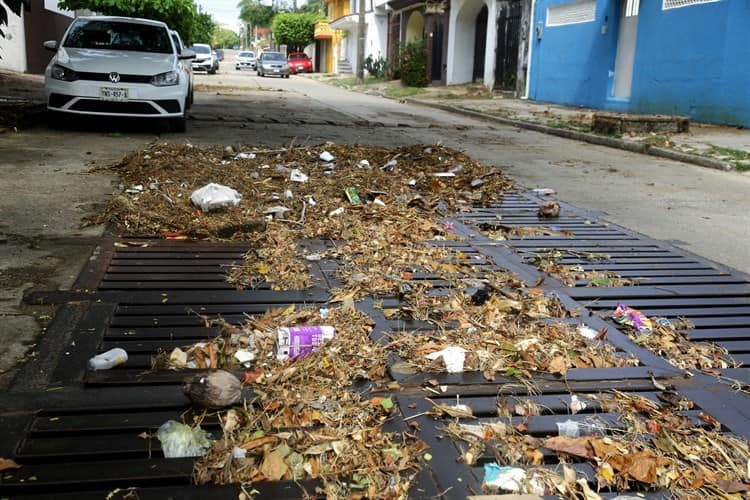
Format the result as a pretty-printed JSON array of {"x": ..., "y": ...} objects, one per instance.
[
  {"x": 581, "y": 11},
  {"x": 674, "y": 4}
]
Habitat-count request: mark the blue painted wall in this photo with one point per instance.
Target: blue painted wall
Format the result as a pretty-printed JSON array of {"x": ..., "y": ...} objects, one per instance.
[{"x": 689, "y": 61}]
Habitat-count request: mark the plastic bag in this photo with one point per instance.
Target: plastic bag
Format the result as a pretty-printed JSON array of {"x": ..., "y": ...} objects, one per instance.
[
  {"x": 180, "y": 440},
  {"x": 214, "y": 197}
]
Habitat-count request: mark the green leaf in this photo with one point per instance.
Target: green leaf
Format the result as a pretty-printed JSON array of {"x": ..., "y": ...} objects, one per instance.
[{"x": 387, "y": 403}]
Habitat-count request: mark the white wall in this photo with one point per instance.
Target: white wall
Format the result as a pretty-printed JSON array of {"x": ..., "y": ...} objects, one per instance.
[
  {"x": 377, "y": 35},
  {"x": 13, "y": 46}
]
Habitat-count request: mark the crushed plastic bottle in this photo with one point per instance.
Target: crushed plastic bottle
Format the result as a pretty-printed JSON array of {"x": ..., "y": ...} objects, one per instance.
[{"x": 109, "y": 359}]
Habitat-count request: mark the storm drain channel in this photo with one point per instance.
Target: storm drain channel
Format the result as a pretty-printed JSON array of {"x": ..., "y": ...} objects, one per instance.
[{"x": 80, "y": 437}]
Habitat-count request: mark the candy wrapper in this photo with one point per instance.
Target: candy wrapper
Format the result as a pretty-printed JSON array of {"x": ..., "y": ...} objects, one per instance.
[{"x": 628, "y": 316}]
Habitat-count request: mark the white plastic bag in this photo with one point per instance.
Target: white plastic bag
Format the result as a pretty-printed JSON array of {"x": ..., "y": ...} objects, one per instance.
[
  {"x": 214, "y": 197},
  {"x": 180, "y": 440}
]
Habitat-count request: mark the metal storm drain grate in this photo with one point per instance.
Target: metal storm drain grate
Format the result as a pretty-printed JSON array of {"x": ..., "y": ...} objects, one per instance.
[{"x": 82, "y": 434}]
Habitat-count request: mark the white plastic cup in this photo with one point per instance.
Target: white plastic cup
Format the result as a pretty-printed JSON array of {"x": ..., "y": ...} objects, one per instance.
[{"x": 109, "y": 359}]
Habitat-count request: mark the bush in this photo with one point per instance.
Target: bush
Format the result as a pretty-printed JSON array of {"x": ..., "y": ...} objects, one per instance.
[
  {"x": 413, "y": 64},
  {"x": 376, "y": 67}
]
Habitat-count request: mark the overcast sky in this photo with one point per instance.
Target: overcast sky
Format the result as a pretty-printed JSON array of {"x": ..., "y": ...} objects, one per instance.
[{"x": 224, "y": 12}]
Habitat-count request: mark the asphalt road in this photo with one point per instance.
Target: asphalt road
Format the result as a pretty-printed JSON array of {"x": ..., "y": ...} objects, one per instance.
[{"x": 47, "y": 187}]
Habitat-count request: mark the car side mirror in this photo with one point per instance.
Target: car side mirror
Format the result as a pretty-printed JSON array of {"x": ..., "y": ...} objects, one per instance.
[
  {"x": 187, "y": 54},
  {"x": 50, "y": 45}
]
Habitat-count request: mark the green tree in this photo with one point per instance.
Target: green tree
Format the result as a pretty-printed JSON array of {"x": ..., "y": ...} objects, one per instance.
[
  {"x": 314, "y": 7},
  {"x": 224, "y": 38},
  {"x": 203, "y": 29},
  {"x": 255, "y": 13},
  {"x": 295, "y": 30},
  {"x": 180, "y": 15}
]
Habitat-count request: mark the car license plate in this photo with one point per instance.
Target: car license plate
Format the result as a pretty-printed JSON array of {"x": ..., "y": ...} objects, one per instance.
[{"x": 113, "y": 94}]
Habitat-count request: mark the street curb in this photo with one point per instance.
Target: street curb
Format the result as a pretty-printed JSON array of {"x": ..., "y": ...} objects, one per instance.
[{"x": 612, "y": 142}]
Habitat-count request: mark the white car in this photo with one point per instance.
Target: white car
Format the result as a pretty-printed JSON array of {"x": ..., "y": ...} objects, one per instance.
[
  {"x": 118, "y": 66},
  {"x": 205, "y": 60},
  {"x": 245, "y": 59}
]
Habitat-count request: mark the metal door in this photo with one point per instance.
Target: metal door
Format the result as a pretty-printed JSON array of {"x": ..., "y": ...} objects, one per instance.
[
  {"x": 436, "y": 70},
  {"x": 508, "y": 34},
  {"x": 480, "y": 42}
]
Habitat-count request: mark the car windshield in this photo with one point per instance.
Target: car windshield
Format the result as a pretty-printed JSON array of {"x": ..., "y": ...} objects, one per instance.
[
  {"x": 273, "y": 56},
  {"x": 298, "y": 56},
  {"x": 117, "y": 35},
  {"x": 247, "y": 54},
  {"x": 199, "y": 49}
]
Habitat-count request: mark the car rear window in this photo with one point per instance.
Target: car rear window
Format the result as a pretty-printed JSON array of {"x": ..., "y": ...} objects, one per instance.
[
  {"x": 200, "y": 49},
  {"x": 297, "y": 56},
  {"x": 273, "y": 56},
  {"x": 118, "y": 35}
]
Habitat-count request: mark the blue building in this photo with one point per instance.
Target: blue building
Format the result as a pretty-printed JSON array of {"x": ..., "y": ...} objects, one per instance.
[{"x": 678, "y": 57}]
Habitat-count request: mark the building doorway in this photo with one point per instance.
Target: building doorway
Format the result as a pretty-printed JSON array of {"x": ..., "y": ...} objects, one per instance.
[
  {"x": 508, "y": 35},
  {"x": 480, "y": 43}
]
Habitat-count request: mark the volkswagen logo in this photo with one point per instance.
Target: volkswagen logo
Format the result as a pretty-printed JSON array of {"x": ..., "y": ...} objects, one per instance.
[{"x": 114, "y": 77}]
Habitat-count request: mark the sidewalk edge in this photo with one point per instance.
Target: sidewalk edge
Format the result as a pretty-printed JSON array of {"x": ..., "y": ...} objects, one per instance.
[{"x": 612, "y": 142}]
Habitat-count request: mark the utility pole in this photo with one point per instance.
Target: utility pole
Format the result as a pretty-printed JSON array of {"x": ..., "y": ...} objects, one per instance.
[{"x": 361, "y": 43}]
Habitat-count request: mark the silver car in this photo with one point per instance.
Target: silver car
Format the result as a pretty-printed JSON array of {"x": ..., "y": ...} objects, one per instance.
[{"x": 273, "y": 63}]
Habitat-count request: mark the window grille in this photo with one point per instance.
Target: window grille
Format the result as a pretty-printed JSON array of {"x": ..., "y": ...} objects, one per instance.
[
  {"x": 674, "y": 4},
  {"x": 581, "y": 11}
]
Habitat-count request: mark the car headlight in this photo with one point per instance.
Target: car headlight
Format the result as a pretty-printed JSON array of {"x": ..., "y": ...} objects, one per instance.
[
  {"x": 61, "y": 73},
  {"x": 166, "y": 79}
]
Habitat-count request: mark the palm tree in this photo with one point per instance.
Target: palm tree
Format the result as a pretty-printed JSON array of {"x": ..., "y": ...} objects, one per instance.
[{"x": 15, "y": 7}]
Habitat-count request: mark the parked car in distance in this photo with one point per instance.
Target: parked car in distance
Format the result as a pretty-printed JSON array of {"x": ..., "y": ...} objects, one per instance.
[
  {"x": 245, "y": 59},
  {"x": 220, "y": 54},
  {"x": 273, "y": 63},
  {"x": 204, "y": 58},
  {"x": 117, "y": 66},
  {"x": 299, "y": 62},
  {"x": 185, "y": 63}
]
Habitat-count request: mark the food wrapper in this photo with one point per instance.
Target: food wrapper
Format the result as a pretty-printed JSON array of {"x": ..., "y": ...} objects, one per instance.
[{"x": 632, "y": 317}]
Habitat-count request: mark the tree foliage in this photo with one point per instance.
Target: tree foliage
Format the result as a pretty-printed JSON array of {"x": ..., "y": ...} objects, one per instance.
[
  {"x": 294, "y": 30},
  {"x": 180, "y": 15},
  {"x": 203, "y": 29},
  {"x": 255, "y": 13},
  {"x": 314, "y": 7},
  {"x": 225, "y": 38}
]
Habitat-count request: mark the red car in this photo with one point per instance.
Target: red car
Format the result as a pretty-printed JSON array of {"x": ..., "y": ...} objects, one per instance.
[{"x": 299, "y": 62}]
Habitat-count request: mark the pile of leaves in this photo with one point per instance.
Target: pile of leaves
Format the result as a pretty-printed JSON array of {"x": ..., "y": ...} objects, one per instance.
[
  {"x": 669, "y": 339},
  {"x": 549, "y": 262},
  {"x": 655, "y": 445},
  {"x": 305, "y": 421}
]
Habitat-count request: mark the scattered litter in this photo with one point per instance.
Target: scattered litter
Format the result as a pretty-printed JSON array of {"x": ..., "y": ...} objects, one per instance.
[
  {"x": 576, "y": 404},
  {"x": 296, "y": 175},
  {"x": 587, "y": 332},
  {"x": 444, "y": 174},
  {"x": 475, "y": 183},
  {"x": 137, "y": 189},
  {"x": 217, "y": 389},
  {"x": 353, "y": 196},
  {"x": 544, "y": 191},
  {"x": 238, "y": 452},
  {"x": 363, "y": 164},
  {"x": 299, "y": 341},
  {"x": 338, "y": 211},
  {"x": 569, "y": 428},
  {"x": 390, "y": 166},
  {"x": 180, "y": 440},
  {"x": 288, "y": 195},
  {"x": 245, "y": 156},
  {"x": 326, "y": 156},
  {"x": 215, "y": 197},
  {"x": 503, "y": 478},
  {"x": 244, "y": 356},
  {"x": 452, "y": 356},
  {"x": 632, "y": 317},
  {"x": 549, "y": 210},
  {"x": 276, "y": 212},
  {"x": 313, "y": 257},
  {"x": 110, "y": 359}
]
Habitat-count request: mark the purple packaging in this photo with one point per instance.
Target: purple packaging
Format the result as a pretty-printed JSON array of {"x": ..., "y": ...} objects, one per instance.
[{"x": 298, "y": 341}]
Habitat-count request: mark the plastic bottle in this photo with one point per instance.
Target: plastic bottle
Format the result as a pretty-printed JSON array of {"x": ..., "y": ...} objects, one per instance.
[{"x": 109, "y": 359}]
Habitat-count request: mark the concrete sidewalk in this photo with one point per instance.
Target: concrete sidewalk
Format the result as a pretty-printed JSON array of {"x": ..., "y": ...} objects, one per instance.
[{"x": 713, "y": 146}]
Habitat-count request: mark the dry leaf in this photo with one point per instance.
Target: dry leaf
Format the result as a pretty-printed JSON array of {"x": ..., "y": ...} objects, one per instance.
[
  {"x": 273, "y": 466},
  {"x": 7, "y": 463}
]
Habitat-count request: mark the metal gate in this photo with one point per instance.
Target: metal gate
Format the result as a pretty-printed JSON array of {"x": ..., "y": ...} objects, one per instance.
[{"x": 508, "y": 34}]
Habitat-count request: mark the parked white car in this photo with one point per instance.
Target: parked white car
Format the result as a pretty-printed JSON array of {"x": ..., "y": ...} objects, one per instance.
[
  {"x": 118, "y": 66},
  {"x": 205, "y": 59},
  {"x": 245, "y": 59}
]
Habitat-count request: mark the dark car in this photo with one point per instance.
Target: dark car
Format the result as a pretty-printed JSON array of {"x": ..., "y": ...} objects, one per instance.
[
  {"x": 299, "y": 62},
  {"x": 220, "y": 54}
]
